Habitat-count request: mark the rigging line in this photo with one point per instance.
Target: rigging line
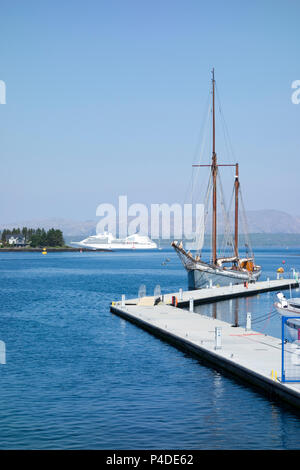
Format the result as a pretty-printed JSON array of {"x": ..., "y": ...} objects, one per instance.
[
  {"x": 245, "y": 223},
  {"x": 207, "y": 128},
  {"x": 201, "y": 137},
  {"x": 228, "y": 143},
  {"x": 206, "y": 204},
  {"x": 204, "y": 220},
  {"x": 207, "y": 197},
  {"x": 204, "y": 121},
  {"x": 202, "y": 151},
  {"x": 222, "y": 203},
  {"x": 266, "y": 320},
  {"x": 263, "y": 316},
  {"x": 255, "y": 323},
  {"x": 228, "y": 238},
  {"x": 200, "y": 224},
  {"x": 228, "y": 215},
  {"x": 226, "y": 234},
  {"x": 224, "y": 131},
  {"x": 225, "y": 124}
]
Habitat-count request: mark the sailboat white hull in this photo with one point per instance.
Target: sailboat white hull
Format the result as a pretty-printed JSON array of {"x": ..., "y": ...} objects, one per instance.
[{"x": 203, "y": 276}]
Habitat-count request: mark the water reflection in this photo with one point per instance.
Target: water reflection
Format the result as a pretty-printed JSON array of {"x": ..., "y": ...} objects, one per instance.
[{"x": 234, "y": 311}]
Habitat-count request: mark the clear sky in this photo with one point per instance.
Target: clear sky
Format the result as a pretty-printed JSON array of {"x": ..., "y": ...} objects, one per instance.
[{"x": 108, "y": 97}]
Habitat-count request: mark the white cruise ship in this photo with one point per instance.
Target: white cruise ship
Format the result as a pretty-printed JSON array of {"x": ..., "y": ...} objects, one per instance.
[{"x": 106, "y": 241}]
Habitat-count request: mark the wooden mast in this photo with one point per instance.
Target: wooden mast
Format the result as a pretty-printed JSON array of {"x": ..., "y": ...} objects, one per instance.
[
  {"x": 214, "y": 170},
  {"x": 236, "y": 222},
  {"x": 214, "y": 176}
]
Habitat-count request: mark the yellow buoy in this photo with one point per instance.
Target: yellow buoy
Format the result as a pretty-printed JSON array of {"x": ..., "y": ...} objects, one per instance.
[{"x": 44, "y": 252}]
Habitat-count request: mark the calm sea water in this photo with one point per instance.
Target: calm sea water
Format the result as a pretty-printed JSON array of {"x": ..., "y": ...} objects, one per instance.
[{"x": 79, "y": 377}]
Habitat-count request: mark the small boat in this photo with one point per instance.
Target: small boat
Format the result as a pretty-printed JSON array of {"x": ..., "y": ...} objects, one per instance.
[{"x": 287, "y": 307}]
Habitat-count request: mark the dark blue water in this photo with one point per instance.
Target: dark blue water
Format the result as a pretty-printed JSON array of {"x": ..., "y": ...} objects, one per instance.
[{"x": 79, "y": 377}]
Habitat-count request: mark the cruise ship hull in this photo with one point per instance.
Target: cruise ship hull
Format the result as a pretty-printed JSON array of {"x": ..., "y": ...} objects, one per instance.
[{"x": 115, "y": 247}]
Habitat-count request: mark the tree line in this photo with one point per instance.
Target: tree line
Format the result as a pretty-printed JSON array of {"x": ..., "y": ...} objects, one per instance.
[{"x": 35, "y": 237}]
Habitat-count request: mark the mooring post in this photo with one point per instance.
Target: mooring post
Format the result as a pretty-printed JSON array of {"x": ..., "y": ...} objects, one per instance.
[
  {"x": 248, "y": 321},
  {"x": 236, "y": 313},
  {"x": 218, "y": 337},
  {"x": 191, "y": 304}
]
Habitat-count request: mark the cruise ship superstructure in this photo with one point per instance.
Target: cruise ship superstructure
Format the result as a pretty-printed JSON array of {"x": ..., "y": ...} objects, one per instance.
[{"x": 107, "y": 241}]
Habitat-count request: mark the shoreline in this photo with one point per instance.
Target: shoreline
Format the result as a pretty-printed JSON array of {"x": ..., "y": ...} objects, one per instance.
[{"x": 49, "y": 250}]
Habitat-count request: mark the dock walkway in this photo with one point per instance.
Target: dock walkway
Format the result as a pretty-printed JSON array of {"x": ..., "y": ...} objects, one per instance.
[
  {"x": 214, "y": 294},
  {"x": 250, "y": 355}
]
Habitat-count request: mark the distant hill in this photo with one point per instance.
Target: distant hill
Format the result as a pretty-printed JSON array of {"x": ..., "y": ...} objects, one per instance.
[
  {"x": 259, "y": 222},
  {"x": 265, "y": 221},
  {"x": 272, "y": 221}
]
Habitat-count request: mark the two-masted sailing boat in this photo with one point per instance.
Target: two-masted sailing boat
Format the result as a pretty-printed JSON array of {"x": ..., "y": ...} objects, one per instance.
[{"x": 219, "y": 270}]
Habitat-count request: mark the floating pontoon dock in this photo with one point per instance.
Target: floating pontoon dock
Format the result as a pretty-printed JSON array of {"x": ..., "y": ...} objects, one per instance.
[
  {"x": 214, "y": 294},
  {"x": 250, "y": 355}
]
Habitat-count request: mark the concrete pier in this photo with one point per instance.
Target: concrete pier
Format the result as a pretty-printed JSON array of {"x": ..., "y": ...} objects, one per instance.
[
  {"x": 214, "y": 293},
  {"x": 252, "y": 356}
]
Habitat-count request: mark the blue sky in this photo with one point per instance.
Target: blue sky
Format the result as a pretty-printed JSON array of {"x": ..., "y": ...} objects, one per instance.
[{"x": 108, "y": 98}]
